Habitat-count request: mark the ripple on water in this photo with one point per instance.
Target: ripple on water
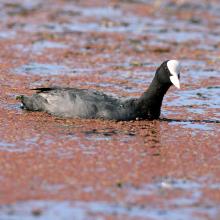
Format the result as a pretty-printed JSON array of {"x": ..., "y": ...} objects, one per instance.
[
  {"x": 114, "y": 24},
  {"x": 15, "y": 147},
  {"x": 194, "y": 64},
  {"x": 84, "y": 210},
  {"x": 51, "y": 69},
  {"x": 7, "y": 34},
  {"x": 180, "y": 37},
  {"x": 181, "y": 206},
  {"x": 195, "y": 126},
  {"x": 202, "y": 74},
  {"x": 196, "y": 70},
  {"x": 4, "y": 144},
  {"x": 203, "y": 98},
  {"x": 101, "y": 12},
  {"x": 40, "y": 46},
  {"x": 42, "y": 69}
]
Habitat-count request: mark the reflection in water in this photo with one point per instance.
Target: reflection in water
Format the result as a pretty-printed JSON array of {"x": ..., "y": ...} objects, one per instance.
[
  {"x": 191, "y": 120},
  {"x": 142, "y": 137},
  {"x": 194, "y": 125},
  {"x": 149, "y": 131}
]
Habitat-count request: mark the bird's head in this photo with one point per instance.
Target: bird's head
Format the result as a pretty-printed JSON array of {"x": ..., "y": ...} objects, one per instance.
[{"x": 169, "y": 73}]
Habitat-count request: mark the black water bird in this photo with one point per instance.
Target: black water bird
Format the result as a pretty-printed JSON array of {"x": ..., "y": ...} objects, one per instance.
[{"x": 84, "y": 103}]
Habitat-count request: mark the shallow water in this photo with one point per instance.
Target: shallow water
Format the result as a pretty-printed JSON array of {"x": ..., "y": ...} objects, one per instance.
[
  {"x": 185, "y": 204},
  {"x": 56, "y": 168},
  {"x": 42, "y": 69}
]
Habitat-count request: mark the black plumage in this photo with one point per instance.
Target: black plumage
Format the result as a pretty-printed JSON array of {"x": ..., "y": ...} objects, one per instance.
[{"x": 84, "y": 103}]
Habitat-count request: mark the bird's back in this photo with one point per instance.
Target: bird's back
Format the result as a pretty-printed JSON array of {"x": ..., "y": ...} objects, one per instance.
[{"x": 82, "y": 103}]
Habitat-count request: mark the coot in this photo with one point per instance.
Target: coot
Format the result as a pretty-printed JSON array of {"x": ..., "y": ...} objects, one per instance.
[{"x": 85, "y": 103}]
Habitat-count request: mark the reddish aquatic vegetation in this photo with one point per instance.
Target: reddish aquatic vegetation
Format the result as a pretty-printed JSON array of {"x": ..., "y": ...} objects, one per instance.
[{"x": 166, "y": 168}]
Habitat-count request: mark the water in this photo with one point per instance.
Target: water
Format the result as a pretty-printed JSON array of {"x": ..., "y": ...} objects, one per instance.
[
  {"x": 7, "y": 35},
  {"x": 18, "y": 146},
  {"x": 41, "y": 45},
  {"x": 195, "y": 126},
  {"x": 46, "y": 210},
  {"x": 43, "y": 69},
  {"x": 177, "y": 208},
  {"x": 93, "y": 169},
  {"x": 205, "y": 97}
]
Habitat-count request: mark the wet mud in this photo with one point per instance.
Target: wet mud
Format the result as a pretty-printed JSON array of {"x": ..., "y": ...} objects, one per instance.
[{"x": 54, "y": 168}]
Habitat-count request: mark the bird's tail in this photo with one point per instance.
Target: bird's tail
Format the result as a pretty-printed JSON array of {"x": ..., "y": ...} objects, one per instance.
[{"x": 32, "y": 103}]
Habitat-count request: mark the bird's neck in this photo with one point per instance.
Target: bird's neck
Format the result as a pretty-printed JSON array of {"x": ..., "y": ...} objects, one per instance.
[{"x": 149, "y": 104}]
